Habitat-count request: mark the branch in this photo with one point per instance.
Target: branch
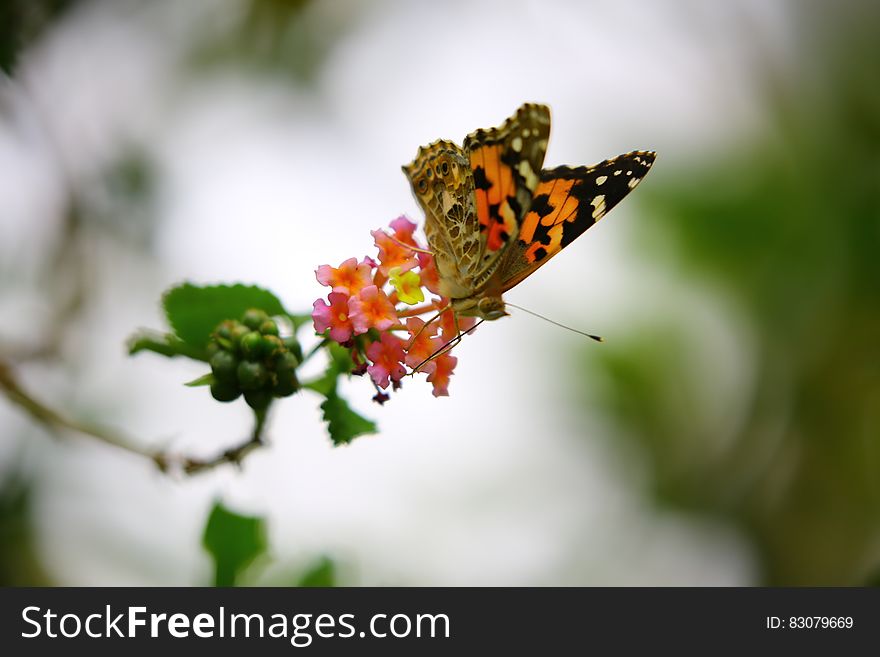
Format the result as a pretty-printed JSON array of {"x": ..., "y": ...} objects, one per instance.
[
  {"x": 55, "y": 422},
  {"x": 234, "y": 455}
]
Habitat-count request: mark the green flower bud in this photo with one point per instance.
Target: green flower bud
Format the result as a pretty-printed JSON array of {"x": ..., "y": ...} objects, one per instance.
[
  {"x": 237, "y": 332},
  {"x": 253, "y": 318},
  {"x": 252, "y": 376},
  {"x": 224, "y": 391},
  {"x": 294, "y": 347},
  {"x": 223, "y": 366},
  {"x": 224, "y": 330},
  {"x": 286, "y": 362},
  {"x": 252, "y": 346},
  {"x": 285, "y": 384},
  {"x": 258, "y": 399},
  {"x": 269, "y": 328},
  {"x": 272, "y": 345},
  {"x": 212, "y": 348}
]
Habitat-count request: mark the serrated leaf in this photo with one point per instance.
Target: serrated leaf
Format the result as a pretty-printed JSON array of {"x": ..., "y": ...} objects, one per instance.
[
  {"x": 234, "y": 541},
  {"x": 343, "y": 424},
  {"x": 194, "y": 312},
  {"x": 203, "y": 380},
  {"x": 321, "y": 574}
]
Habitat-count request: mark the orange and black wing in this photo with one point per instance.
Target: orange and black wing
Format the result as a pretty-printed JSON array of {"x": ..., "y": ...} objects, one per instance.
[
  {"x": 506, "y": 164},
  {"x": 566, "y": 202}
]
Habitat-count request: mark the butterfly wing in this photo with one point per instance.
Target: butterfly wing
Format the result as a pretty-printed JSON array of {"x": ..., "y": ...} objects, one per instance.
[
  {"x": 443, "y": 185},
  {"x": 506, "y": 163},
  {"x": 566, "y": 202},
  {"x": 474, "y": 197}
]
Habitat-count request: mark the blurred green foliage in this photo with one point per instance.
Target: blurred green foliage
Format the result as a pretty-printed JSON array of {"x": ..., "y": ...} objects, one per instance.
[
  {"x": 234, "y": 541},
  {"x": 321, "y": 574},
  {"x": 288, "y": 38},
  {"x": 19, "y": 562},
  {"x": 788, "y": 225},
  {"x": 21, "y": 22}
]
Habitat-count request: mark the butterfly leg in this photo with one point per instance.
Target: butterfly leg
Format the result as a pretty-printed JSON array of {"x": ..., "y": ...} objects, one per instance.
[
  {"x": 430, "y": 321},
  {"x": 448, "y": 346}
]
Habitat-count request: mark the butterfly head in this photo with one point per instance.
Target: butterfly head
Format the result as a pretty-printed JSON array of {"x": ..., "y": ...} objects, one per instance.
[{"x": 487, "y": 307}]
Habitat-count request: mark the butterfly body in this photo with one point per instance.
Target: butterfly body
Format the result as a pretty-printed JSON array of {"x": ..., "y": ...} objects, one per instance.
[{"x": 493, "y": 215}]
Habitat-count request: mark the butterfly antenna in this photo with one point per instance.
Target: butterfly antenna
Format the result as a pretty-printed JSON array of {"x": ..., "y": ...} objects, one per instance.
[
  {"x": 446, "y": 347},
  {"x": 597, "y": 338}
]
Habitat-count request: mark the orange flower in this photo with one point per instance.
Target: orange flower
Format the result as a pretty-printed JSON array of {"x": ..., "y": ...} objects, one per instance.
[
  {"x": 363, "y": 302},
  {"x": 349, "y": 278},
  {"x": 392, "y": 249},
  {"x": 422, "y": 343},
  {"x": 371, "y": 309},
  {"x": 387, "y": 356},
  {"x": 439, "y": 376}
]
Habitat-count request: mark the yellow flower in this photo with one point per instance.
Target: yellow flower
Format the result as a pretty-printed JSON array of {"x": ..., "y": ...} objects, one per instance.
[{"x": 408, "y": 286}]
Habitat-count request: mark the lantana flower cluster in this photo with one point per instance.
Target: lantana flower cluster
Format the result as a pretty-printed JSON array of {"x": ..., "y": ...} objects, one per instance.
[{"x": 382, "y": 310}]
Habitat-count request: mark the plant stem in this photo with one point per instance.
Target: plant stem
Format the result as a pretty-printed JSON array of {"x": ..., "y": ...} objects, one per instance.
[
  {"x": 234, "y": 455},
  {"x": 55, "y": 422}
]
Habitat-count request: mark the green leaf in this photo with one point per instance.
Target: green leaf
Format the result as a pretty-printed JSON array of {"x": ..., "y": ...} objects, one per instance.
[
  {"x": 322, "y": 573},
  {"x": 194, "y": 312},
  {"x": 165, "y": 344},
  {"x": 299, "y": 320},
  {"x": 343, "y": 423},
  {"x": 234, "y": 541},
  {"x": 203, "y": 380},
  {"x": 340, "y": 363}
]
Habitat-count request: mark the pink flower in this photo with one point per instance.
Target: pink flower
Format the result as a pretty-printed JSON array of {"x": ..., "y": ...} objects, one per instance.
[
  {"x": 439, "y": 376},
  {"x": 422, "y": 343},
  {"x": 371, "y": 309},
  {"x": 403, "y": 230},
  {"x": 334, "y": 316},
  {"x": 392, "y": 252},
  {"x": 349, "y": 278},
  {"x": 387, "y": 358},
  {"x": 364, "y": 301},
  {"x": 428, "y": 272}
]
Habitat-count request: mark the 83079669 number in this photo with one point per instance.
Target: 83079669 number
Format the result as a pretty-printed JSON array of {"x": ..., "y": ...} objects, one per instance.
[{"x": 809, "y": 622}]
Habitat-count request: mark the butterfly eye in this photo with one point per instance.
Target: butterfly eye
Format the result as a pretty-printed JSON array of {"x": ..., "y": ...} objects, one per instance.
[
  {"x": 422, "y": 185},
  {"x": 444, "y": 167}
]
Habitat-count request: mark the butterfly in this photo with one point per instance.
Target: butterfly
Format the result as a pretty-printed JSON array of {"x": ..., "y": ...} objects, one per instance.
[{"x": 493, "y": 216}]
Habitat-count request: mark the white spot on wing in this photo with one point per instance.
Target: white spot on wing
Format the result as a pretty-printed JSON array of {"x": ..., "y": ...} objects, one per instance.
[
  {"x": 632, "y": 182},
  {"x": 618, "y": 172},
  {"x": 447, "y": 200},
  {"x": 598, "y": 206},
  {"x": 525, "y": 170},
  {"x": 516, "y": 144},
  {"x": 601, "y": 180}
]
